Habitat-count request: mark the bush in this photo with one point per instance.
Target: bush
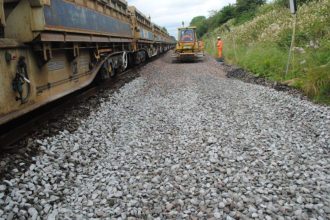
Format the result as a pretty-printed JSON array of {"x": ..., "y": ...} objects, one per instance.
[{"x": 316, "y": 83}]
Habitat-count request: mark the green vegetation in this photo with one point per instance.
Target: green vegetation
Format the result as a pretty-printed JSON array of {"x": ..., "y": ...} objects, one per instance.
[
  {"x": 200, "y": 23},
  {"x": 242, "y": 11},
  {"x": 259, "y": 39}
]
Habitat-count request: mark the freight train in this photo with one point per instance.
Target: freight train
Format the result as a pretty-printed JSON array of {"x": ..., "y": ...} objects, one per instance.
[{"x": 51, "y": 48}]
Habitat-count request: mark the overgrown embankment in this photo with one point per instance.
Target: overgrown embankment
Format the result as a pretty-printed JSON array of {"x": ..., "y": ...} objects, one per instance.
[{"x": 261, "y": 45}]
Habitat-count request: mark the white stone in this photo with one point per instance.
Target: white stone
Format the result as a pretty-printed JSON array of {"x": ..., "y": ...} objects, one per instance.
[
  {"x": 53, "y": 215},
  {"x": 33, "y": 213},
  {"x": 2, "y": 188}
]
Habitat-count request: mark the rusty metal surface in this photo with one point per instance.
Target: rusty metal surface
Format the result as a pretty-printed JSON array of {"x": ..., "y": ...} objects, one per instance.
[
  {"x": 70, "y": 16},
  {"x": 146, "y": 34},
  {"x": 67, "y": 31},
  {"x": 62, "y": 37},
  {"x": 9, "y": 43},
  {"x": 144, "y": 41}
]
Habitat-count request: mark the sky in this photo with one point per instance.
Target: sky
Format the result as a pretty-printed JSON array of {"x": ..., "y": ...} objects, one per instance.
[{"x": 171, "y": 13}]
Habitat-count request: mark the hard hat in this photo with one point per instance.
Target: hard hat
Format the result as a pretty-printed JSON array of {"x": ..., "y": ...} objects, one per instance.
[{"x": 219, "y": 37}]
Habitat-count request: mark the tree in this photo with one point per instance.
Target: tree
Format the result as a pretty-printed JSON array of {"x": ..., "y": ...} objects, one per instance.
[
  {"x": 243, "y": 6},
  {"x": 218, "y": 18},
  {"x": 227, "y": 13},
  {"x": 197, "y": 20},
  {"x": 201, "y": 25},
  {"x": 241, "y": 12},
  {"x": 246, "y": 9}
]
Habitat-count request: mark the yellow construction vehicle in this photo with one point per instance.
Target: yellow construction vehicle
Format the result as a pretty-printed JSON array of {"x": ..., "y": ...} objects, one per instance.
[{"x": 188, "y": 48}]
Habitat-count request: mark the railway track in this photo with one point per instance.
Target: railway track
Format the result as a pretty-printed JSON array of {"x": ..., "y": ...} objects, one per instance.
[{"x": 16, "y": 130}]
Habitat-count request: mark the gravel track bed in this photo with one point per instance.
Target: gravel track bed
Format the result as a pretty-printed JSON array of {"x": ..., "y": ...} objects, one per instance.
[
  {"x": 245, "y": 76},
  {"x": 181, "y": 142}
]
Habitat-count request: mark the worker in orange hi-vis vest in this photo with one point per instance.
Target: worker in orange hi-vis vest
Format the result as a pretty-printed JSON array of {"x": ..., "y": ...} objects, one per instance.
[{"x": 220, "y": 47}]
